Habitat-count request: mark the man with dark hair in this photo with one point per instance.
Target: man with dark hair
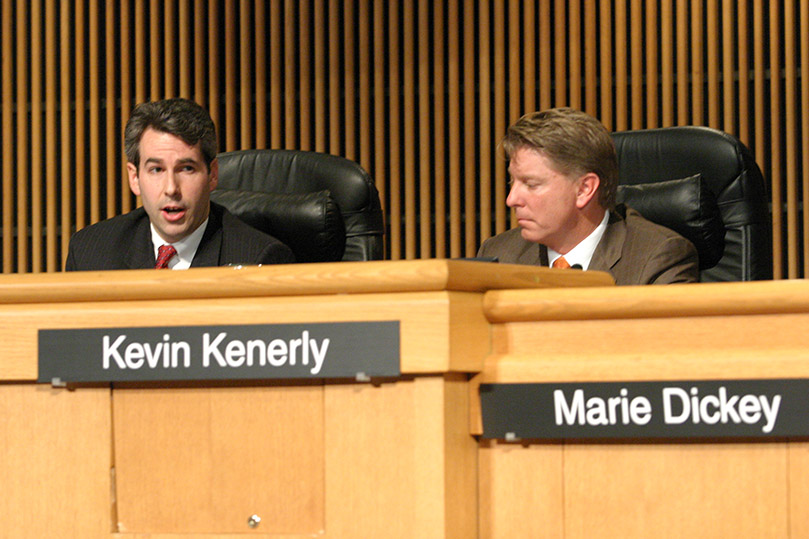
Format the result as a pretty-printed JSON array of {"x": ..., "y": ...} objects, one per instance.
[
  {"x": 171, "y": 151},
  {"x": 564, "y": 179}
]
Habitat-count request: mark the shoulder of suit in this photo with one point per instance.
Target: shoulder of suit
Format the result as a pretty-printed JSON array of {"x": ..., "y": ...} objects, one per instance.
[
  {"x": 118, "y": 224},
  {"x": 636, "y": 222},
  {"x": 508, "y": 236},
  {"x": 510, "y": 247},
  {"x": 231, "y": 223},
  {"x": 242, "y": 243}
]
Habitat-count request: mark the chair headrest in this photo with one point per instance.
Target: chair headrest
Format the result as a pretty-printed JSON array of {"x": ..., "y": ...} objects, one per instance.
[
  {"x": 310, "y": 224},
  {"x": 298, "y": 172},
  {"x": 685, "y": 205}
]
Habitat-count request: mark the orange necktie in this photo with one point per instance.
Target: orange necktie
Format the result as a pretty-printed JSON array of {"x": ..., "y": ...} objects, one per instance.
[{"x": 560, "y": 263}]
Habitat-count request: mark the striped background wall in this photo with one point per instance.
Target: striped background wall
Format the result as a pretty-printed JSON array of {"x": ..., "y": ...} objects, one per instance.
[{"x": 418, "y": 92}]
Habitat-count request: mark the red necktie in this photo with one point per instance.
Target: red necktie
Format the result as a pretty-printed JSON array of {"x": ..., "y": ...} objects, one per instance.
[
  {"x": 164, "y": 254},
  {"x": 561, "y": 263}
]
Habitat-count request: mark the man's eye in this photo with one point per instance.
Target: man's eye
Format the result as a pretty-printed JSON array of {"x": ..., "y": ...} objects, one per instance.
[
  {"x": 526, "y": 184},
  {"x": 154, "y": 170}
]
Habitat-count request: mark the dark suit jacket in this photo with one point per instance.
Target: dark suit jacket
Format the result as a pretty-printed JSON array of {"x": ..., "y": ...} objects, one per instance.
[
  {"x": 125, "y": 242},
  {"x": 633, "y": 250}
]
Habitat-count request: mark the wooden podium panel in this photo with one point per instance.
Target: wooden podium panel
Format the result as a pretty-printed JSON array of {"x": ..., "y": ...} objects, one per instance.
[
  {"x": 680, "y": 490},
  {"x": 517, "y": 481},
  {"x": 332, "y": 457},
  {"x": 405, "y": 448},
  {"x": 395, "y": 457},
  {"x": 645, "y": 489},
  {"x": 798, "y": 458},
  {"x": 55, "y": 461},
  {"x": 206, "y": 459},
  {"x": 436, "y": 301},
  {"x": 634, "y": 490}
]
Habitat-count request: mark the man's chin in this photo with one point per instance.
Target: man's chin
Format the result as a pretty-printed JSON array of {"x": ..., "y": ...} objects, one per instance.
[
  {"x": 173, "y": 233},
  {"x": 530, "y": 235}
]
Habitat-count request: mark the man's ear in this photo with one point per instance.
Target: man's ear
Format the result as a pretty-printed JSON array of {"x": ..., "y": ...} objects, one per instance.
[
  {"x": 132, "y": 171},
  {"x": 213, "y": 175},
  {"x": 587, "y": 189}
]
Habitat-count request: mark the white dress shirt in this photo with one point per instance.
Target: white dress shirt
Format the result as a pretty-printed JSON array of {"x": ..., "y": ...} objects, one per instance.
[
  {"x": 582, "y": 253},
  {"x": 186, "y": 247}
]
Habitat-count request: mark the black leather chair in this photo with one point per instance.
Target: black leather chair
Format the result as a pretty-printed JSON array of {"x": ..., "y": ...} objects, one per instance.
[
  {"x": 705, "y": 184},
  {"x": 325, "y": 207}
]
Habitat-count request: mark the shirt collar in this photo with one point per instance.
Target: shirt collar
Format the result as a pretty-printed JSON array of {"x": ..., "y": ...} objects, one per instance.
[
  {"x": 186, "y": 247},
  {"x": 582, "y": 253}
]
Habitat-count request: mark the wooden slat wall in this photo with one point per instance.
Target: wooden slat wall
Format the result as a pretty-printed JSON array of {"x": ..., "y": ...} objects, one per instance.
[{"x": 418, "y": 92}]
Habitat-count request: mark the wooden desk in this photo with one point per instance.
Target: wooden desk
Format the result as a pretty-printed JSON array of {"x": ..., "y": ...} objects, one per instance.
[
  {"x": 327, "y": 458},
  {"x": 678, "y": 332},
  {"x": 396, "y": 458}
]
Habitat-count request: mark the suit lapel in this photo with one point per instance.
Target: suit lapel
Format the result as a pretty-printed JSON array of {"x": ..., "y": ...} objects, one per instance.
[
  {"x": 543, "y": 256},
  {"x": 210, "y": 245},
  {"x": 140, "y": 254},
  {"x": 526, "y": 252},
  {"x": 608, "y": 250}
]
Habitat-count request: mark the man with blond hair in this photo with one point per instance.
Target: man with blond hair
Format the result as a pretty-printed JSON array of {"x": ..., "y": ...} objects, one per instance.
[{"x": 564, "y": 178}]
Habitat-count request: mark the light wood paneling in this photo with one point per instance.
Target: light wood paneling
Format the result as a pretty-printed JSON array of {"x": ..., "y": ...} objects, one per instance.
[
  {"x": 332, "y": 458},
  {"x": 37, "y": 423},
  {"x": 443, "y": 331},
  {"x": 798, "y": 488},
  {"x": 396, "y": 424},
  {"x": 165, "y": 483},
  {"x": 701, "y": 490},
  {"x": 531, "y": 479},
  {"x": 641, "y": 489},
  {"x": 419, "y": 93}
]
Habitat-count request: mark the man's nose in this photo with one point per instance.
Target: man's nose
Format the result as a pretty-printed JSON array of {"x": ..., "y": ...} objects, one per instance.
[
  {"x": 171, "y": 186},
  {"x": 513, "y": 198}
]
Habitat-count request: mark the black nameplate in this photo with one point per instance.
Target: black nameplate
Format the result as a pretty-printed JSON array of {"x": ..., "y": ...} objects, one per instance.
[
  {"x": 647, "y": 410},
  {"x": 238, "y": 352}
]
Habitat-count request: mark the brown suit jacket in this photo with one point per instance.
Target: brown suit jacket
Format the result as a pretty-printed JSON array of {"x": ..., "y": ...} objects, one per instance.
[{"x": 633, "y": 250}]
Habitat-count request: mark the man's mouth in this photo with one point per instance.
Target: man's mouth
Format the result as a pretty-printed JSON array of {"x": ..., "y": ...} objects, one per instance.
[{"x": 173, "y": 213}]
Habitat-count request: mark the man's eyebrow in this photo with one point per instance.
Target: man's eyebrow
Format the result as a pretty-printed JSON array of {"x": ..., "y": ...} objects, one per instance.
[
  {"x": 189, "y": 161},
  {"x": 184, "y": 161}
]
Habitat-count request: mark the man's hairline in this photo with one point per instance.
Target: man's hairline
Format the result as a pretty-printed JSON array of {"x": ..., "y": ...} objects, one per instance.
[
  {"x": 570, "y": 175},
  {"x": 198, "y": 146}
]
